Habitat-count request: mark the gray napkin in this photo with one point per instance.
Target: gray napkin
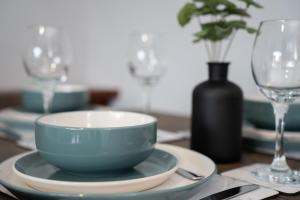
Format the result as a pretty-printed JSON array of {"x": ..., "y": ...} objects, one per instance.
[
  {"x": 244, "y": 174},
  {"x": 220, "y": 183}
]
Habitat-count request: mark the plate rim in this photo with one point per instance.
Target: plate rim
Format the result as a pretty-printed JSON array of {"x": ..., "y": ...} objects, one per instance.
[
  {"x": 18, "y": 117},
  {"x": 85, "y": 184},
  {"x": 120, "y": 195}
]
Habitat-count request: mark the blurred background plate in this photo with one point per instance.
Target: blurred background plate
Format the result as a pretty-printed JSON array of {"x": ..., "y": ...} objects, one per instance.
[
  {"x": 67, "y": 97},
  {"x": 17, "y": 118},
  {"x": 259, "y": 112},
  {"x": 259, "y": 127},
  {"x": 263, "y": 140}
]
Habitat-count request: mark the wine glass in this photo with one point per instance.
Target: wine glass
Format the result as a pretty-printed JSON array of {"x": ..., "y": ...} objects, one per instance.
[
  {"x": 276, "y": 71},
  {"x": 146, "y": 62},
  {"x": 46, "y": 58}
]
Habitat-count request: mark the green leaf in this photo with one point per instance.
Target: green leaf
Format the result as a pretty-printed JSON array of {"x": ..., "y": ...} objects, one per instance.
[
  {"x": 222, "y": 9},
  {"x": 251, "y": 3},
  {"x": 236, "y": 11},
  {"x": 201, "y": 35},
  {"x": 186, "y": 13},
  {"x": 251, "y": 30},
  {"x": 237, "y": 24},
  {"x": 241, "y": 24},
  {"x": 211, "y": 7},
  {"x": 220, "y": 30},
  {"x": 203, "y": 11},
  {"x": 214, "y": 31}
]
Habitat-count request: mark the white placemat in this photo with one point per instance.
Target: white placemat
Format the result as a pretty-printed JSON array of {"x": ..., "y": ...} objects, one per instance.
[{"x": 244, "y": 173}]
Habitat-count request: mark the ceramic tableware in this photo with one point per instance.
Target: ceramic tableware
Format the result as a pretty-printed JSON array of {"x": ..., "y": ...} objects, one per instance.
[
  {"x": 176, "y": 187},
  {"x": 262, "y": 140},
  {"x": 66, "y": 98},
  {"x": 41, "y": 175},
  {"x": 94, "y": 141},
  {"x": 259, "y": 112},
  {"x": 18, "y": 126},
  {"x": 16, "y": 118}
]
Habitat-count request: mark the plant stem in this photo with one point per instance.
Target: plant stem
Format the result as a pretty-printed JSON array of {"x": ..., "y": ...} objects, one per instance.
[
  {"x": 219, "y": 50},
  {"x": 147, "y": 89},
  {"x": 216, "y": 46},
  {"x": 214, "y": 49},
  {"x": 205, "y": 42},
  {"x": 228, "y": 45},
  {"x": 230, "y": 42}
]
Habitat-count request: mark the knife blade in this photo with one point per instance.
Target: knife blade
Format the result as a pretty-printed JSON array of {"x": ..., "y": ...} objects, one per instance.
[{"x": 231, "y": 193}]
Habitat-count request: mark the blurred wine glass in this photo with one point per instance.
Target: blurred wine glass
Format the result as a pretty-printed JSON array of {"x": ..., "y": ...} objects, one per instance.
[
  {"x": 146, "y": 62},
  {"x": 276, "y": 71},
  {"x": 46, "y": 58}
]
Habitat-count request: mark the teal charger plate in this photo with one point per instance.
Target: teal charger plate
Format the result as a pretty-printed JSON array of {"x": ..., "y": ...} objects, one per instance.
[
  {"x": 200, "y": 164},
  {"x": 39, "y": 174}
]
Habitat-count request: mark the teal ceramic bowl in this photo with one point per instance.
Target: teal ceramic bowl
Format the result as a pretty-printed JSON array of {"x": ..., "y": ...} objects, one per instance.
[
  {"x": 90, "y": 142},
  {"x": 259, "y": 112},
  {"x": 66, "y": 98}
]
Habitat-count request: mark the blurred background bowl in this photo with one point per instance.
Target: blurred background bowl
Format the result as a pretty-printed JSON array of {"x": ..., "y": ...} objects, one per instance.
[
  {"x": 66, "y": 98},
  {"x": 258, "y": 112}
]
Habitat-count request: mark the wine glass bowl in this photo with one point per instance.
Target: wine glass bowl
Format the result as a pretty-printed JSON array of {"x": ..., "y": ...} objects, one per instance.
[
  {"x": 146, "y": 63},
  {"x": 276, "y": 71},
  {"x": 46, "y": 58}
]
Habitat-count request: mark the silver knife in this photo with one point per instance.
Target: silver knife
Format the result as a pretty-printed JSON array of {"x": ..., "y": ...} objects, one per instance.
[{"x": 231, "y": 193}]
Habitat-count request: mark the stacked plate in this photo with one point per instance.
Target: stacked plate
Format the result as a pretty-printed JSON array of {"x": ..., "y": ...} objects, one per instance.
[
  {"x": 102, "y": 155},
  {"x": 20, "y": 121},
  {"x": 259, "y": 127},
  {"x": 31, "y": 177}
]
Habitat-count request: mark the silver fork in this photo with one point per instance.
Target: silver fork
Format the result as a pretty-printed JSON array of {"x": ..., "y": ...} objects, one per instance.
[{"x": 188, "y": 174}]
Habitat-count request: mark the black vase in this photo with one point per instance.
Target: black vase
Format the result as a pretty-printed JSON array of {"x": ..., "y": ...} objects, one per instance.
[{"x": 217, "y": 116}]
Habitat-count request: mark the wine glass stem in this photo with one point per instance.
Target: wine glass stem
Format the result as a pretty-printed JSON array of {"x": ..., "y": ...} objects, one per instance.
[
  {"x": 279, "y": 162},
  {"x": 147, "y": 98},
  {"x": 48, "y": 94}
]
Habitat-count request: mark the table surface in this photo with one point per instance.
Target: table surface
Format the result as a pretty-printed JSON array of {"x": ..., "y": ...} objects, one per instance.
[{"x": 173, "y": 123}]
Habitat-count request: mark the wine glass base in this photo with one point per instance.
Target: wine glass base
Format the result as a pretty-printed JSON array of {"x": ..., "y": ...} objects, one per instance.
[{"x": 281, "y": 177}]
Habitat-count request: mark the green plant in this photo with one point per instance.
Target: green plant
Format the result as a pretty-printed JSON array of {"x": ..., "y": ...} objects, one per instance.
[{"x": 219, "y": 20}]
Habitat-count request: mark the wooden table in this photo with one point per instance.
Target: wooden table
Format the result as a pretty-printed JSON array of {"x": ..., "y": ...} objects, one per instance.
[{"x": 172, "y": 123}]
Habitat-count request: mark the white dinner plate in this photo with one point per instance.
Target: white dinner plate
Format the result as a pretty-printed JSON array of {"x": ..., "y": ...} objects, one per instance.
[
  {"x": 174, "y": 187},
  {"x": 16, "y": 118},
  {"x": 39, "y": 174}
]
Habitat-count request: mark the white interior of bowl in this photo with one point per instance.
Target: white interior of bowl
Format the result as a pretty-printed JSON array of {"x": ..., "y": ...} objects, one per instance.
[
  {"x": 65, "y": 88},
  {"x": 96, "y": 119}
]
